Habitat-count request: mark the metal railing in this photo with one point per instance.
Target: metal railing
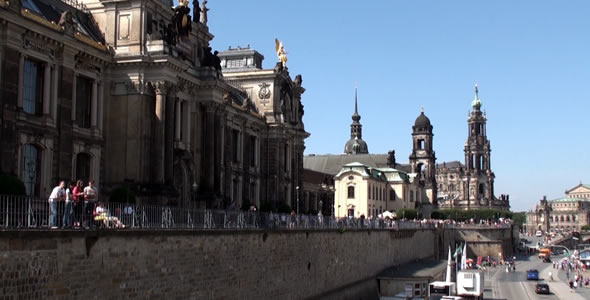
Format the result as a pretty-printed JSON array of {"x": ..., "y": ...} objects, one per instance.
[{"x": 20, "y": 212}]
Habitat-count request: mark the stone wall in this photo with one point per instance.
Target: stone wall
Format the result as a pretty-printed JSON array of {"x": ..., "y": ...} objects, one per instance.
[{"x": 252, "y": 264}]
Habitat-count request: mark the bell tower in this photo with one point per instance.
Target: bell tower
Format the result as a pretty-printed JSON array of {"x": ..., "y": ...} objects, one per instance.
[
  {"x": 479, "y": 191},
  {"x": 422, "y": 159}
]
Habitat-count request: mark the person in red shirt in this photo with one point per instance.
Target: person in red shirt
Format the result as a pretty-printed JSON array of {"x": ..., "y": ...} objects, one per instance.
[{"x": 78, "y": 202}]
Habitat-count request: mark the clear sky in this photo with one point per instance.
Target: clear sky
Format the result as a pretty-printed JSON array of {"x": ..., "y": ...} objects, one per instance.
[{"x": 531, "y": 60}]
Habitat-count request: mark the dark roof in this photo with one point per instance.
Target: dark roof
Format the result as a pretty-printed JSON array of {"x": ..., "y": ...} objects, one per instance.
[
  {"x": 315, "y": 177},
  {"x": 52, "y": 10},
  {"x": 422, "y": 121},
  {"x": 415, "y": 269},
  {"x": 450, "y": 165},
  {"x": 332, "y": 164},
  {"x": 356, "y": 146}
]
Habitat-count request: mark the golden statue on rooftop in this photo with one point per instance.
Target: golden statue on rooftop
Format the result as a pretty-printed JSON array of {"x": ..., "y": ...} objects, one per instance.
[{"x": 281, "y": 54}]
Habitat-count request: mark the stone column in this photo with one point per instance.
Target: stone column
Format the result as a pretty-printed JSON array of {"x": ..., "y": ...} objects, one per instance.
[
  {"x": 100, "y": 111},
  {"x": 21, "y": 80},
  {"x": 169, "y": 137},
  {"x": 187, "y": 124},
  {"x": 46, "y": 89},
  {"x": 178, "y": 119},
  {"x": 209, "y": 151},
  {"x": 160, "y": 88},
  {"x": 54, "y": 87},
  {"x": 74, "y": 83},
  {"x": 94, "y": 104}
]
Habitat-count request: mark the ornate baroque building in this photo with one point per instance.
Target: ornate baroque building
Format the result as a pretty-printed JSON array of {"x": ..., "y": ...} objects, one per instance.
[
  {"x": 129, "y": 94},
  {"x": 569, "y": 213},
  {"x": 470, "y": 185}
]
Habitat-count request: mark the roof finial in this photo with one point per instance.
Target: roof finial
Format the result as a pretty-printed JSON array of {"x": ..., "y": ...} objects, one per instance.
[
  {"x": 422, "y": 109},
  {"x": 476, "y": 92}
]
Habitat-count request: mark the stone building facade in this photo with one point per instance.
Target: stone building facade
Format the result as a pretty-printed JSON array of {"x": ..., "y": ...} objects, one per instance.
[
  {"x": 129, "y": 94},
  {"x": 470, "y": 185},
  {"x": 364, "y": 190},
  {"x": 566, "y": 214}
]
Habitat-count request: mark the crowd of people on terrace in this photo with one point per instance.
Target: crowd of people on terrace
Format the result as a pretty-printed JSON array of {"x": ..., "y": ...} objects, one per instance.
[{"x": 81, "y": 207}]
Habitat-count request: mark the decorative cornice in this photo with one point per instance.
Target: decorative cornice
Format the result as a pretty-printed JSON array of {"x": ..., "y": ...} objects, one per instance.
[
  {"x": 86, "y": 39},
  {"x": 31, "y": 16}
]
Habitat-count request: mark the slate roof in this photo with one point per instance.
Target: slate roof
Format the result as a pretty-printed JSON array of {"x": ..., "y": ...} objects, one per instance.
[
  {"x": 51, "y": 10},
  {"x": 416, "y": 269},
  {"x": 332, "y": 164},
  {"x": 450, "y": 165}
]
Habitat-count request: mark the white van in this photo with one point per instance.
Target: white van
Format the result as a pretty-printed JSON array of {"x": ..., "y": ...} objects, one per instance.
[{"x": 539, "y": 233}]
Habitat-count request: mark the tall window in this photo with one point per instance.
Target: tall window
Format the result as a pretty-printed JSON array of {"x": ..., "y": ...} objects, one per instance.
[
  {"x": 33, "y": 87},
  {"x": 252, "y": 150},
  {"x": 235, "y": 137},
  {"x": 411, "y": 196},
  {"x": 31, "y": 169},
  {"x": 83, "y": 97},
  {"x": 392, "y": 195},
  {"x": 83, "y": 166},
  {"x": 351, "y": 192}
]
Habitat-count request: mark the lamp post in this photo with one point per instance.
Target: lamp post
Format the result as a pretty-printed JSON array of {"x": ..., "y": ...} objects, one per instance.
[{"x": 297, "y": 189}]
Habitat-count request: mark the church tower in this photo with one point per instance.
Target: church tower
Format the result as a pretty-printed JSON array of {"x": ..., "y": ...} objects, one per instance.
[
  {"x": 479, "y": 183},
  {"x": 422, "y": 159},
  {"x": 356, "y": 145}
]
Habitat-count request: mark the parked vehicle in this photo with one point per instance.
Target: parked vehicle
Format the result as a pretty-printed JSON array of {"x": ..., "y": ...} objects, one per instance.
[
  {"x": 542, "y": 288},
  {"x": 470, "y": 284},
  {"x": 539, "y": 233},
  {"x": 532, "y": 274},
  {"x": 545, "y": 252}
]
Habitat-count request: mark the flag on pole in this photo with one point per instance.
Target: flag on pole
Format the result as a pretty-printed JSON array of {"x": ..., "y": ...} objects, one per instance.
[
  {"x": 448, "y": 279},
  {"x": 464, "y": 257}
]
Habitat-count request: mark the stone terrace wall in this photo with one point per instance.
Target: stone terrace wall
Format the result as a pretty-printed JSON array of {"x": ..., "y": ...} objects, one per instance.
[{"x": 200, "y": 264}]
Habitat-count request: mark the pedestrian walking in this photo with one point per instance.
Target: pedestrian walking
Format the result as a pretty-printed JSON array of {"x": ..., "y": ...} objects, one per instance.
[{"x": 57, "y": 194}]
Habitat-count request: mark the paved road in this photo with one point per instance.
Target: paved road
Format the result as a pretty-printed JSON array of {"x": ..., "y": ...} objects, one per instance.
[{"x": 514, "y": 285}]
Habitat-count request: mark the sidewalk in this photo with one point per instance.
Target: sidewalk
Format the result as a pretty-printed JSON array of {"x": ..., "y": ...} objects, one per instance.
[{"x": 558, "y": 287}]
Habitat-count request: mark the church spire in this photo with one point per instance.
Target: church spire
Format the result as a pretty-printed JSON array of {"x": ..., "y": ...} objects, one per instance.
[
  {"x": 356, "y": 117},
  {"x": 356, "y": 145}
]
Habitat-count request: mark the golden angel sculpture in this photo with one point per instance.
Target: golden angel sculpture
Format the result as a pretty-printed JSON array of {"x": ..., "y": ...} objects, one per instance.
[{"x": 281, "y": 54}]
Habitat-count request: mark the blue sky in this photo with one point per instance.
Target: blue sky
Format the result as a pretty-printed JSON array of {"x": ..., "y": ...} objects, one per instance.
[{"x": 530, "y": 58}]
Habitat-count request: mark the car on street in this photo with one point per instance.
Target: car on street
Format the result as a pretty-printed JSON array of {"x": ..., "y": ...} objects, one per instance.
[
  {"x": 532, "y": 274},
  {"x": 542, "y": 288},
  {"x": 539, "y": 233}
]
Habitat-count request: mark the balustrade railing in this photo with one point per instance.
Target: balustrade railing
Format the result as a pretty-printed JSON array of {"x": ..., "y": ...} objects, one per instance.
[{"x": 20, "y": 212}]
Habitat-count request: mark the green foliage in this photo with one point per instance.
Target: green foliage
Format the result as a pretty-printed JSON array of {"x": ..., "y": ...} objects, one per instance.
[
  {"x": 519, "y": 218},
  {"x": 11, "y": 185},
  {"x": 267, "y": 207},
  {"x": 284, "y": 208},
  {"x": 122, "y": 195},
  {"x": 465, "y": 215},
  {"x": 406, "y": 213},
  {"x": 586, "y": 228}
]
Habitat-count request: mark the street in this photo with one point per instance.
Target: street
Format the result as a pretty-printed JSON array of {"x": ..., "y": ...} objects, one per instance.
[{"x": 514, "y": 285}]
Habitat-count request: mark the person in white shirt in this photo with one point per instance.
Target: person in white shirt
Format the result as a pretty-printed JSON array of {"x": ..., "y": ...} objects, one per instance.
[
  {"x": 69, "y": 206},
  {"x": 90, "y": 199},
  {"x": 57, "y": 194}
]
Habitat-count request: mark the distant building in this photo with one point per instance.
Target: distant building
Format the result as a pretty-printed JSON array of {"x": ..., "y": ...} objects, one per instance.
[
  {"x": 421, "y": 183},
  {"x": 470, "y": 185},
  {"x": 569, "y": 213}
]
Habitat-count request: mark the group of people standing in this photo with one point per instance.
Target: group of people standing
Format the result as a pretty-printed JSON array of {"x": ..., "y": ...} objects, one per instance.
[{"x": 78, "y": 205}]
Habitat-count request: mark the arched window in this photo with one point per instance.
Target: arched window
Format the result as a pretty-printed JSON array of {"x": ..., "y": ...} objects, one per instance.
[
  {"x": 351, "y": 192},
  {"x": 83, "y": 166},
  {"x": 32, "y": 169},
  {"x": 567, "y": 218},
  {"x": 561, "y": 218},
  {"x": 573, "y": 218}
]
